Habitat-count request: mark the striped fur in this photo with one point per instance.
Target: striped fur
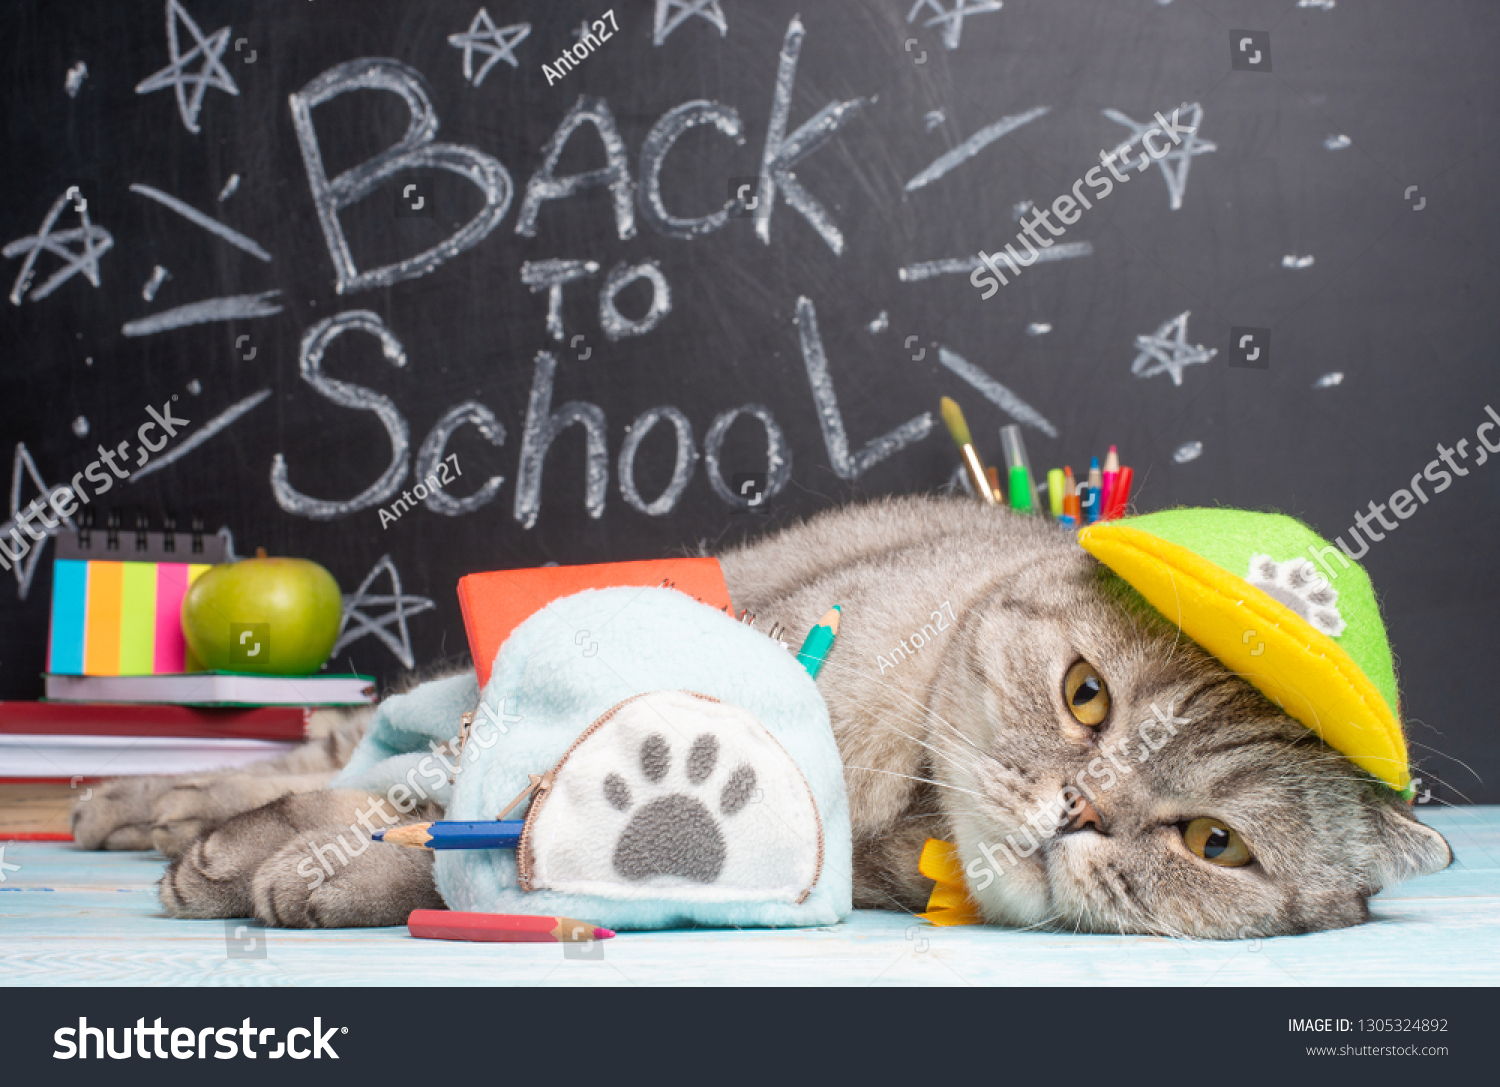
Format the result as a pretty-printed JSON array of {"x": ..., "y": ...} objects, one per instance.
[{"x": 968, "y": 739}]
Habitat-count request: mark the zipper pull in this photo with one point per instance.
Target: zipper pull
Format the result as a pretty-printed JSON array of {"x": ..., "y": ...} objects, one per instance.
[
  {"x": 540, "y": 783},
  {"x": 465, "y": 723}
]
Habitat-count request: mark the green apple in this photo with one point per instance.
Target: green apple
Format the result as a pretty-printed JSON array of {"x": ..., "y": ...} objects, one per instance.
[{"x": 272, "y": 615}]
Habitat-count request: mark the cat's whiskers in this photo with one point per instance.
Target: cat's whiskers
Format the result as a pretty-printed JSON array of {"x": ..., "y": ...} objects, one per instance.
[
  {"x": 1087, "y": 913},
  {"x": 930, "y": 747},
  {"x": 910, "y": 777},
  {"x": 1292, "y": 775},
  {"x": 934, "y": 748},
  {"x": 1447, "y": 804},
  {"x": 921, "y": 706},
  {"x": 1128, "y": 915},
  {"x": 948, "y": 731},
  {"x": 989, "y": 757},
  {"x": 1045, "y": 924},
  {"x": 1460, "y": 792},
  {"x": 1176, "y": 641},
  {"x": 1445, "y": 755},
  {"x": 1137, "y": 911}
]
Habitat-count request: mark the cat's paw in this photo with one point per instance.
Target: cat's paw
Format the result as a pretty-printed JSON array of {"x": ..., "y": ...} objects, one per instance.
[
  {"x": 212, "y": 877},
  {"x": 198, "y": 805},
  {"x": 677, "y": 833},
  {"x": 341, "y": 889},
  {"x": 180, "y": 815},
  {"x": 117, "y": 814}
]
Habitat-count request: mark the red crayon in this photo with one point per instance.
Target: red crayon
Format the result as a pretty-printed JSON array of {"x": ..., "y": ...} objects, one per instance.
[
  {"x": 502, "y": 928},
  {"x": 1111, "y": 478},
  {"x": 1121, "y": 496}
]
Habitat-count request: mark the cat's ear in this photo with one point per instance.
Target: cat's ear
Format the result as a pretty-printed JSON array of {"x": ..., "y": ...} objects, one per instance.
[{"x": 1405, "y": 848}]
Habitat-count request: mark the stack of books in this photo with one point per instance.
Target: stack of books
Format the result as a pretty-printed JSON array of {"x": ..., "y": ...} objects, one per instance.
[
  {"x": 120, "y": 699},
  {"x": 96, "y": 727}
]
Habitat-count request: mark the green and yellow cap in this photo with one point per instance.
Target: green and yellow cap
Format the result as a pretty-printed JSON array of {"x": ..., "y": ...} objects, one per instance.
[{"x": 1280, "y": 606}]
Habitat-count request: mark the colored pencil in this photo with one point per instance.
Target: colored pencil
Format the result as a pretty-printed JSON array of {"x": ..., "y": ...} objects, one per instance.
[
  {"x": 1055, "y": 492},
  {"x": 819, "y": 641},
  {"x": 490, "y": 834},
  {"x": 1072, "y": 506},
  {"x": 502, "y": 928},
  {"x": 953, "y": 417},
  {"x": 1111, "y": 473},
  {"x": 1091, "y": 507},
  {"x": 1122, "y": 493}
]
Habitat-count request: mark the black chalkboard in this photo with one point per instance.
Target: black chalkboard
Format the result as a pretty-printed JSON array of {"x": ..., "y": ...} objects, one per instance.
[{"x": 722, "y": 249}]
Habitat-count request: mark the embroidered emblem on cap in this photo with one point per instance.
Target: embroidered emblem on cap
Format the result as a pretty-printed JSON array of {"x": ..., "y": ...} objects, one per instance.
[{"x": 1297, "y": 584}]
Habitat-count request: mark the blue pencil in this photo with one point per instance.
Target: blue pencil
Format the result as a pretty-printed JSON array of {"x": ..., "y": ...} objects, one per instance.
[
  {"x": 490, "y": 834},
  {"x": 1092, "y": 509}
]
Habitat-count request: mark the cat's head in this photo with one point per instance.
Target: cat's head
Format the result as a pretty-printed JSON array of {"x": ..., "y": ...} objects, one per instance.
[{"x": 1102, "y": 773}]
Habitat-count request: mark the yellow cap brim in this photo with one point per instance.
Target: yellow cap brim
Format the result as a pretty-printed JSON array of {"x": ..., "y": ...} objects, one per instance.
[{"x": 1301, "y": 669}]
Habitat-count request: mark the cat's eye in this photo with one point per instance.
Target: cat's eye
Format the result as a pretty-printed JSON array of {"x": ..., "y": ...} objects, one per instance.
[
  {"x": 1086, "y": 695},
  {"x": 1216, "y": 843}
]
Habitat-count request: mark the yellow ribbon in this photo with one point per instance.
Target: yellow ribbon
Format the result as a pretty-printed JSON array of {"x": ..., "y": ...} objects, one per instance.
[{"x": 949, "y": 903}]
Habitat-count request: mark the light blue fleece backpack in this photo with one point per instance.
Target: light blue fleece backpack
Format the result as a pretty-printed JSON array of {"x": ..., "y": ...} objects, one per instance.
[{"x": 681, "y": 767}]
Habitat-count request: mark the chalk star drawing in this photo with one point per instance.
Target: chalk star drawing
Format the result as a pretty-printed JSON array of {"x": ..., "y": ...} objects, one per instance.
[
  {"x": 670, "y": 14},
  {"x": 953, "y": 21},
  {"x": 496, "y": 42},
  {"x": 1170, "y": 355},
  {"x": 1175, "y": 163},
  {"x": 6, "y": 866},
  {"x": 175, "y": 75},
  {"x": 96, "y": 241},
  {"x": 405, "y": 606},
  {"x": 25, "y": 569}
]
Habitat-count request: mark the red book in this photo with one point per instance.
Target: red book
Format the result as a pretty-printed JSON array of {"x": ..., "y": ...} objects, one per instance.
[
  {"x": 283, "y": 723},
  {"x": 495, "y": 603}
]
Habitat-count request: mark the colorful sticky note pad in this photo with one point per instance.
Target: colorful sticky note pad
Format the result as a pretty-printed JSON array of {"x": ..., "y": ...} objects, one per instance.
[{"x": 119, "y": 618}]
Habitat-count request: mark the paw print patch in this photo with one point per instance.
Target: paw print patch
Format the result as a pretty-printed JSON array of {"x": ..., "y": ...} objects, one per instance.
[
  {"x": 677, "y": 834},
  {"x": 1298, "y": 584},
  {"x": 675, "y": 795}
]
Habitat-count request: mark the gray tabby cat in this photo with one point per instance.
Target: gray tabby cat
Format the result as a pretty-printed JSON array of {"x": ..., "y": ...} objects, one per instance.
[{"x": 993, "y": 686}]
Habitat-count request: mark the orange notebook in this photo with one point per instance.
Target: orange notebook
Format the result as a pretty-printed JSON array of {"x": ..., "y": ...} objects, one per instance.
[{"x": 495, "y": 603}]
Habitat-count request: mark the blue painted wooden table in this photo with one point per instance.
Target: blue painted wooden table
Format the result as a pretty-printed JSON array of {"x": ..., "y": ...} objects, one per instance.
[{"x": 74, "y": 918}]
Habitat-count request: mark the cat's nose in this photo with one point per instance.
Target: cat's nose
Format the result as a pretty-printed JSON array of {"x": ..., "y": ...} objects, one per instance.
[{"x": 1086, "y": 817}]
